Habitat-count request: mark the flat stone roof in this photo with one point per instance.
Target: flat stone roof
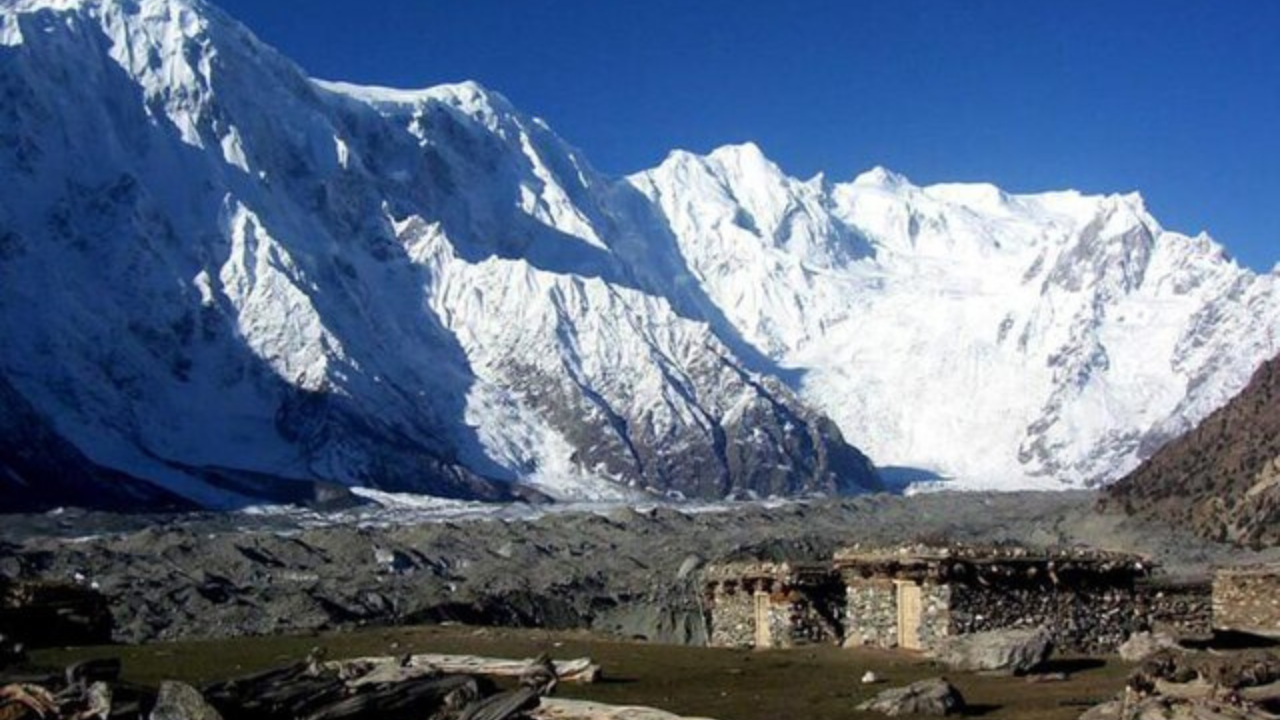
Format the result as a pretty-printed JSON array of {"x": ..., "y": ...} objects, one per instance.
[
  {"x": 753, "y": 570},
  {"x": 1259, "y": 570},
  {"x": 978, "y": 552}
]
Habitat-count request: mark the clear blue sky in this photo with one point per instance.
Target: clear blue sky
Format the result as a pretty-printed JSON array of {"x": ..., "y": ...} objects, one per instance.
[{"x": 1177, "y": 99}]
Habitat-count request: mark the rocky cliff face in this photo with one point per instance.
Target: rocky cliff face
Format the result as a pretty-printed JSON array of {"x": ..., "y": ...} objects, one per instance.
[
  {"x": 1221, "y": 480},
  {"x": 221, "y": 277}
]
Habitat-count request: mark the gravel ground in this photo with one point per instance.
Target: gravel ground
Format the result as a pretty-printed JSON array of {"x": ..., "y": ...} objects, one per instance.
[{"x": 623, "y": 571}]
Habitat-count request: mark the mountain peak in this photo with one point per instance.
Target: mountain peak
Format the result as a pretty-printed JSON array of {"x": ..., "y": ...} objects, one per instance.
[{"x": 880, "y": 176}]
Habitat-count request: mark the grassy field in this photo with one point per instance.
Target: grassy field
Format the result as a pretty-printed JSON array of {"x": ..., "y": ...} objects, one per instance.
[{"x": 819, "y": 683}]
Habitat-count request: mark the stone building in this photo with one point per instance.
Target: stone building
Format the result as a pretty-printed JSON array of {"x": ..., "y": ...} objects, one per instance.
[
  {"x": 910, "y": 597},
  {"x": 772, "y": 604},
  {"x": 1247, "y": 599}
]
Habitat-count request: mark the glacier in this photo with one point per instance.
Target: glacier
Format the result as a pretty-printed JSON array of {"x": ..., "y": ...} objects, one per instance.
[{"x": 224, "y": 282}]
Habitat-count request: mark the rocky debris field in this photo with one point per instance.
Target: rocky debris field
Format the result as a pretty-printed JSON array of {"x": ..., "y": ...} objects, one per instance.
[{"x": 622, "y": 571}]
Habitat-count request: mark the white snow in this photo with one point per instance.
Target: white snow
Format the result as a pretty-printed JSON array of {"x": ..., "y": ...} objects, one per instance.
[{"x": 227, "y": 264}]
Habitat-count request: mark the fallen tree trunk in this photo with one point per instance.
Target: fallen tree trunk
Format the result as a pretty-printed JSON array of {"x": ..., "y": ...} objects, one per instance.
[
  {"x": 579, "y": 670},
  {"x": 1262, "y": 693},
  {"x": 560, "y": 709}
]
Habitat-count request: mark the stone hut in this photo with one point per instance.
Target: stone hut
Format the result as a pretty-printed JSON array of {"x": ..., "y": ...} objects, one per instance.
[
  {"x": 1247, "y": 599},
  {"x": 772, "y": 604},
  {"x": 910, "y": 597}
]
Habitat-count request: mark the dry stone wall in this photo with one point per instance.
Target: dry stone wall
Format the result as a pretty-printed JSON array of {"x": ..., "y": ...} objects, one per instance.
[
  {"x": 871, "y": 614},
  {"x": 1080, "y": 619},
  {"x": 732, "y": 617},
  {"x": 1180, "y": 610},
  {"x": 1247, "y": 601},
  {"x": 936, "y": 621},
  {"x": 796, "y": 616}
]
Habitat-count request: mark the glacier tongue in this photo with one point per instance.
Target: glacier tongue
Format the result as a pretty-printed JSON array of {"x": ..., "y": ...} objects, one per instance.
[{"x": 230, "y": 281}]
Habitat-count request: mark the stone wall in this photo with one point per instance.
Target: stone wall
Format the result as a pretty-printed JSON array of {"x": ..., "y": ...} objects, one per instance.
[
  {"x": 1248, "y": 601},
  {"x": 817, "y": 615},
  {"x": 796, "y": 616},
  {"x": 1081, "y": 619},
  {"x": 871, "y": 613},
  {"x": 732, "y": 617},
  {"x": 936, "y": 622},
  {"x": 1181, "y": 609}
]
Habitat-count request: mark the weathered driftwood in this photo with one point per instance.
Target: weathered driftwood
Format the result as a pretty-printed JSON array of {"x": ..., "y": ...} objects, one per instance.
[
  {"x": 413, "y": 699},
  {"x": 579, "y": 670},
  {"x": 1267, "y": 694},
  {"x": 289, "y": 692},
  {"x": 510, "y": 704},
  {"x": 373, "y": 689},
  {"x": 560, "y": 709},
  {"x": 1194, "y": 690}
]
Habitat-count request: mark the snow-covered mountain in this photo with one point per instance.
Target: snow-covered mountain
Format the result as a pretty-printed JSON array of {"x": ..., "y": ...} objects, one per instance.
[
  {"x": 220, "y": 276},
  {"x": 229, "y": 281},
  {"x": 1000, "y": 340}
]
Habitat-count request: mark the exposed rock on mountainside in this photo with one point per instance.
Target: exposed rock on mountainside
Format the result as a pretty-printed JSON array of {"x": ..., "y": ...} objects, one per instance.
[
  {"x": 1223, "y": 479},
  {"x": 223, "y": 278}
]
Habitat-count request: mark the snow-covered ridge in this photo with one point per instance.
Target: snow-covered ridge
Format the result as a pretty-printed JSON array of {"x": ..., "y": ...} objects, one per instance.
[{"x": 234, "y": 282}]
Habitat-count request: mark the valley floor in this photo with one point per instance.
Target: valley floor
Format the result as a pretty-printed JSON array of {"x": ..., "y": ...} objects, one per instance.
[
  {"x": 621, "y": 571},
  {"x": 816, "y": 683}
]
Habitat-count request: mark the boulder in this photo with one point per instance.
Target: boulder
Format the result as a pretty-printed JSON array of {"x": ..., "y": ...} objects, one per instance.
[
  {"x": 1143, "y": 645},
  {"x": 927, "y": 697},
  {"x": 179, "y": 701},
  {"x": 1014, "y": 651}
]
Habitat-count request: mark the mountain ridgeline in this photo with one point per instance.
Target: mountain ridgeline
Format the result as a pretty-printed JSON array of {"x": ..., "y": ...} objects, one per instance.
[{"x": 226, "y": 283}]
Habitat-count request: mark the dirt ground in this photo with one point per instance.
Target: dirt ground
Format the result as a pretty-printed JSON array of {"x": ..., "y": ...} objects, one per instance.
[{"x": 817, "y": 683}]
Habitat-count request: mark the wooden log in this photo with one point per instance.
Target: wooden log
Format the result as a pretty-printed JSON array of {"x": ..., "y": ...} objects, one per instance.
[
  {"x": 1264, "y": 694},
  {"x": 579, "y": 670},
  {"x": 289, "y": 692},
  {"x": 505, "y": 705},
  {"x": 560, "y": 709},
  {"x": 409, "y": 700},
  {"x": 1194, "y": 690}
]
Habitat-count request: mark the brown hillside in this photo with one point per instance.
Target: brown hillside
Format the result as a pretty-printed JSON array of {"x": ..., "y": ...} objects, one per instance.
[{"x": 1222, "y": 479}]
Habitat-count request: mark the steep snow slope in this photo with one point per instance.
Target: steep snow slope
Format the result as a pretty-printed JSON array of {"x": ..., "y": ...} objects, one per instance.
[
  {"x": 1003, "y": 341},
  {"x": 221, "y": 277}
]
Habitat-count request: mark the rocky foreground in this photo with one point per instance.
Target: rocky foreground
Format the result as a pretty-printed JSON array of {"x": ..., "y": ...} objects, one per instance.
[{"x": 622, "y": 571}]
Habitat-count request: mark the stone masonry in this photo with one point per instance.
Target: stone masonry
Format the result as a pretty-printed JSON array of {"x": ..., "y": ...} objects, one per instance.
[{"x": 1247, "y": 599}]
